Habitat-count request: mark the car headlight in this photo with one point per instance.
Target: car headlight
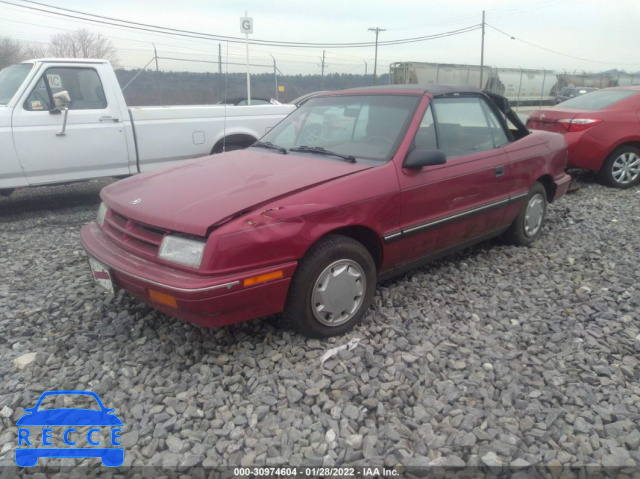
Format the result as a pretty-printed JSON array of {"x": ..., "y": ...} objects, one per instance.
[
  {"x": 102, "y": 212},
  {"x": 181, "y": 250}
]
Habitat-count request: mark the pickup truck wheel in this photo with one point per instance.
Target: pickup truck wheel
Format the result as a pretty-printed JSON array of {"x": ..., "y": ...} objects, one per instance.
[
  {"x": 527, "y": 226},
  {"x": 621, "y": 168},
  {"x": 331, "y": 289}
]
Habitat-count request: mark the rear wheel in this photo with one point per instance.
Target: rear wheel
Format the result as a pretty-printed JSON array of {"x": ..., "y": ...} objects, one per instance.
[
  {"x": 622, "y": 168},
  {"x": 526, "y": 228},
  {"x": 332, "y": 288}
]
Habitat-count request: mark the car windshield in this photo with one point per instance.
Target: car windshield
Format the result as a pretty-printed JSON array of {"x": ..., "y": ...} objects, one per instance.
[
  {"x": 361, "y": 126},
  {"x": 10, "y": 80},
  {"x": 596, "y": 100}
]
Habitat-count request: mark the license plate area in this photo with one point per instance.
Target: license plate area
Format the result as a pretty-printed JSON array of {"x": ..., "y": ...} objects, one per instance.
[{"x": 101, "y": 275}]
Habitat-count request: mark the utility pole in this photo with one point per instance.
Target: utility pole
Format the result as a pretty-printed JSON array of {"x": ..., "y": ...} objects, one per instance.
[
  {"x": 158, "y": 90},
  {"x": 246, "y": 27},
  {"x": 323, "y": 65},
  {"x": 482, "y": 52},
  {"x": 219, "y": 58},
  {"x": 365, "y": 67},
  {"x": 275, "y": 74},
  {"x": 375, "y": 61}
]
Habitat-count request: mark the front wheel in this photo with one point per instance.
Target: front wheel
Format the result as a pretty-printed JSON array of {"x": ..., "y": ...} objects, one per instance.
[
  {"x": 527, "y": 226},
  {"x": 332, "y": 288},
  {"x": 621, "y": 168}
]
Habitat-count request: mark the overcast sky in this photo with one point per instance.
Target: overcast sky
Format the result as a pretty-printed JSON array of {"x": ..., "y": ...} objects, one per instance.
[{"x": 590, "y": 35}]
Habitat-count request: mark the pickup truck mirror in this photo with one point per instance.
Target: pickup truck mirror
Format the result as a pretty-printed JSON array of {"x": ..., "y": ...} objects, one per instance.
[
  {"x": 61, "y": 99},
  {"x": 418, "y": 158}
]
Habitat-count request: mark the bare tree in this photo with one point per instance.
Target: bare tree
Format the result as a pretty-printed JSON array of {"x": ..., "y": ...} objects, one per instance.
[
  {"x": 34, "y": 50},
  {"x": 11, "y": 51},
  {"x": 81, "y": 44}
]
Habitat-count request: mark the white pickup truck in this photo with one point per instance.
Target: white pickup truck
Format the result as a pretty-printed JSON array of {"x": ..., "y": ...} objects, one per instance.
[{"x": 64, "y": 120}]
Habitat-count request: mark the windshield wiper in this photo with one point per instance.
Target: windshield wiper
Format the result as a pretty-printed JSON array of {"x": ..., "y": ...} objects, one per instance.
[
  {"x": 323, "y": 151},
  {"x": 270, "y": 146}
]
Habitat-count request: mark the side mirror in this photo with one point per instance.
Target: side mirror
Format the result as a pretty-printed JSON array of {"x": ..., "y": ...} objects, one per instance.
[
  {"x": 418, "y": 158},
  {"x": 61, "y": 99}
]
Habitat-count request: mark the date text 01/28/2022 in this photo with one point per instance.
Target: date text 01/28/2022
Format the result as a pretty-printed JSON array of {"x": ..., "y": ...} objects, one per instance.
[{"x": 315, "y": 472}]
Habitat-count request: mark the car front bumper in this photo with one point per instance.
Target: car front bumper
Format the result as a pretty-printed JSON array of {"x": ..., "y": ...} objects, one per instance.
[{"x": 204, "y": 300}]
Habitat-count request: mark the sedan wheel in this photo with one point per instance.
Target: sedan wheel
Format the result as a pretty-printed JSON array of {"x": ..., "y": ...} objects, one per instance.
[
  {"x": 534, "y": 215},
  {"x": 527, "y": 226},
  {"x": 331, "y": 289},
  {"x": 622, "y": 168},
  {"x": 338, "y": 292}
]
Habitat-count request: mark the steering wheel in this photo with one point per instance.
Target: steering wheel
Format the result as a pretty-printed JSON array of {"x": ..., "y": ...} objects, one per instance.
[
  {"x": 311, "y": 134},
  {"x": 380, "y": 140}
]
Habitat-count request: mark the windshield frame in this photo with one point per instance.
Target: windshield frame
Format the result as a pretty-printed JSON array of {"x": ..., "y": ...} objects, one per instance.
[
  {"x": 301, "y": 117},
  {"x": 13, "y": 68}
]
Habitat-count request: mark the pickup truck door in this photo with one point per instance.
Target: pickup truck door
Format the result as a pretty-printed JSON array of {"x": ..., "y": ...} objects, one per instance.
[
  {"x": 93, "y": 144},
  {"x": 446, "y": 206}
]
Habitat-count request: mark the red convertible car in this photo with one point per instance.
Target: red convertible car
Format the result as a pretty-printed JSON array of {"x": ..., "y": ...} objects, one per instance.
[
  {"x": 602, "y": 129},
  {"x": 352, "y": 187}
]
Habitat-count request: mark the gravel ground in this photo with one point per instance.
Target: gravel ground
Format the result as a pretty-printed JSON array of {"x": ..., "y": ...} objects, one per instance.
[{"x": 495, "y": 358}]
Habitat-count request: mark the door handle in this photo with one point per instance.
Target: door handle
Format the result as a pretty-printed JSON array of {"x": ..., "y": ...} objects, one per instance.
[
  {"x": 108, "y": 118},
  {"x": 499, "y": 171}
]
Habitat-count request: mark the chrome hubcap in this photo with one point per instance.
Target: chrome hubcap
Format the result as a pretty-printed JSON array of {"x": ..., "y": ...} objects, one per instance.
[
  {"x": 338, "y": 292},
  {"x": 626, "y": 168},
  {"x": 534, "y": 214}
]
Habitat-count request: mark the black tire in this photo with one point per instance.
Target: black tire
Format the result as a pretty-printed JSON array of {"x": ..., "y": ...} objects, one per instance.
[
  {"x": 522, "y": 232},
  {"x": 231, "y": 146},
  {"x": 354, "y": 272},
  {"x": 621, "y": 169}
]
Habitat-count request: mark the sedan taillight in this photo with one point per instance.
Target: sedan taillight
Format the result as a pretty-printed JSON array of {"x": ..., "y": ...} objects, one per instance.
[{"x": 579, "y": 124}]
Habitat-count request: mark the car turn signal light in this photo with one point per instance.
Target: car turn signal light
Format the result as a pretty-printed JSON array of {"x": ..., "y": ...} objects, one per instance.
[
  {"x": 163, "y": 298},
  {"x": 263, "y": 278}
]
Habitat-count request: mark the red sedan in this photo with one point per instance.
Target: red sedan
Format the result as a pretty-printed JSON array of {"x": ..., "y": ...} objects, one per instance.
[
  {"x": 352, "y": 187},
  {"x": 602, "y": 129}
]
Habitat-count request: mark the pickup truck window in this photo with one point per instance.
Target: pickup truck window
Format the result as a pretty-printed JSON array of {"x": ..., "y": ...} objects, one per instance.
[
  {"x": 10, "y": 80},
  {"x": 462, "y": 126},
  {"x": 83, "y": 85}
]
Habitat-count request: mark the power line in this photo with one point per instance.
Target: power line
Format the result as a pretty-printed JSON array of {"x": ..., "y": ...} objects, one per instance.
[
  {"x": 104, "y": 20},
  {"x": 559, "y": 53}
]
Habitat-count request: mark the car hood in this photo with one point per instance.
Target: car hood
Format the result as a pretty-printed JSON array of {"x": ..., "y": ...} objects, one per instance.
[
  {"x": 69, "y": 417},
  {"x": 196, "y": 195}
]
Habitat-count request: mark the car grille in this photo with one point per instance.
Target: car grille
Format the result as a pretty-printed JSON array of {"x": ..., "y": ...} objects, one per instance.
[{"x": 132, "y": 236}]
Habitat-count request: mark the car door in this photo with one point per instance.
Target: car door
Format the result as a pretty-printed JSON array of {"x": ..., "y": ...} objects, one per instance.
[
  {"x": 446, "y": 206},
  {"x": 93, "y": 143}
]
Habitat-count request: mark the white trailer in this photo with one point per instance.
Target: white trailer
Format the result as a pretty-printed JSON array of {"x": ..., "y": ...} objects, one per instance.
[{"x": 519, "y": 85}]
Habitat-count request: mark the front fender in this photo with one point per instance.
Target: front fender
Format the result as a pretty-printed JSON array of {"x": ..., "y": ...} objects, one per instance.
[{"x": 279, "y": 235}]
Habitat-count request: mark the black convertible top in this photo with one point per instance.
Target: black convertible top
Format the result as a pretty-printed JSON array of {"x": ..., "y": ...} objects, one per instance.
[{"x": 435, "y": 90}]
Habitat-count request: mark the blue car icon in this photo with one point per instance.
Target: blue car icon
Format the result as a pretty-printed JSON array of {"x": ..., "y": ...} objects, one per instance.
[{"x": 68, "y": 417}]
